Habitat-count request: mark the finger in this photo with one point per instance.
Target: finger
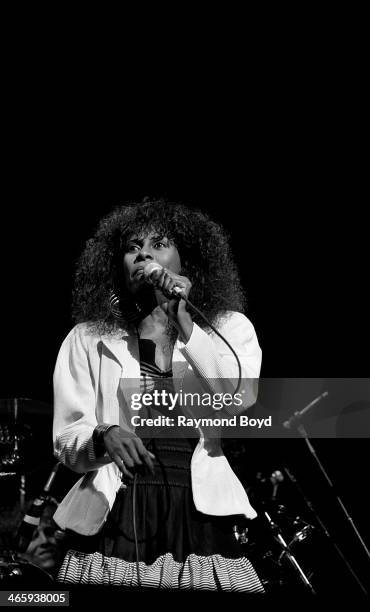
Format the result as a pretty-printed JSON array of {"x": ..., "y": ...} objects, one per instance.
[
  {"x": 141, "y": 448},
  {"x": 121, "y": 466},
  {"x": 126, "y": 457},
  {"x": 126, "y": 472},
  {"x": 159, "y": 280},
  {"x": 133, "y": 452},
  {"x": 146, "y": 456},
  {"x": 168, "y": 285}
]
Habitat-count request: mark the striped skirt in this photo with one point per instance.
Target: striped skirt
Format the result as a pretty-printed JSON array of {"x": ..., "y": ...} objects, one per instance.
[{"x": 155, "y": 538}]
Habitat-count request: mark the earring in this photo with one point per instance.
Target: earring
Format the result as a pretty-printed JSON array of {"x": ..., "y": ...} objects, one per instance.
[{"x": 124, "y": 309}]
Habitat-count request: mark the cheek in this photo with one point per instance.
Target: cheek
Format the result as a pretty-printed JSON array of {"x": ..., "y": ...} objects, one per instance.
[
  {"x": 174, "y": 262},
  {"x": 32, "y": 547},
  {"x": 126, "y": 267}
]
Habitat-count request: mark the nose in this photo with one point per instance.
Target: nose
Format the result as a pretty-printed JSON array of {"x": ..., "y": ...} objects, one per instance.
[
  {"x": 42, "y": 537},
  {"x": 144, "y": 255}
]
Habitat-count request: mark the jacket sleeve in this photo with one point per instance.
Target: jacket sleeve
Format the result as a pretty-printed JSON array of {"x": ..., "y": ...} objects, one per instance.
[
  {"x": 215, "y": 365},
  {"x": 74, "y": 406}
]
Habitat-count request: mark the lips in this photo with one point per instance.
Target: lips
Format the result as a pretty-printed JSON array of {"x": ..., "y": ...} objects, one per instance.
[
  {"x": 46, "y": 552},
  {"x": 138, "y": 272}
]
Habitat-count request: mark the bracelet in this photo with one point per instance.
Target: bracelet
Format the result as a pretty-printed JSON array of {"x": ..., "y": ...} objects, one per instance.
[{"x": 98, "y": 438}]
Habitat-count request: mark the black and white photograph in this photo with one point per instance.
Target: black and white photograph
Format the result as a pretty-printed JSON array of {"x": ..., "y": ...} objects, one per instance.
[{"x": 185, "y": 392}]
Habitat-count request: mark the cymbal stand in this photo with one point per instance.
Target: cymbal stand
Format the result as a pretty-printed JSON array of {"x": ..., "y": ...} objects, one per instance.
[{"x": 287, "y": 554}]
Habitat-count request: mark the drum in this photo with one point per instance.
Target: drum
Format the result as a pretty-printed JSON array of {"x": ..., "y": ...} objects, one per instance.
[
  {"x": 263, "y": 546},
  {"x": 18, "y": 574}
]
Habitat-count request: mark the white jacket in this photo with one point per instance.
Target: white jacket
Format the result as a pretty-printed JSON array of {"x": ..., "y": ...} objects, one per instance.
[{"x": 87, "y": 392}]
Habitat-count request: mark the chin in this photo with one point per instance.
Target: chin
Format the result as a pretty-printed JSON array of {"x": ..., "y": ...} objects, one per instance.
[{"x": 47, "y": 565}]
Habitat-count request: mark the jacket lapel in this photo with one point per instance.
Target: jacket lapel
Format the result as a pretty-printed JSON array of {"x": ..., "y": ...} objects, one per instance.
[{"x": 125, "y": 350}]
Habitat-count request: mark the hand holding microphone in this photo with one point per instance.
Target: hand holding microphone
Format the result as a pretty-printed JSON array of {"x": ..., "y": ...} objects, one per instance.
[
  {"x": 176, "y": 289},
  {"x": 172, "y": 285}
]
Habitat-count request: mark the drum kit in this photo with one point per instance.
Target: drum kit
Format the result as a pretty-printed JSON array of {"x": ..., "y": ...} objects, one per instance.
[
  {"x": 277, "y": 541},
  {"x": 24, "y": 423},
  {"x": 289, "y": 544}
]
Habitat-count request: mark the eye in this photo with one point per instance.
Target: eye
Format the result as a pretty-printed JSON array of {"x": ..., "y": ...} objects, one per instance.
[
  {"x": 160, "y": 245},
  {"x": 132, "y": 247},
  {"x": 49, "y": 532}
]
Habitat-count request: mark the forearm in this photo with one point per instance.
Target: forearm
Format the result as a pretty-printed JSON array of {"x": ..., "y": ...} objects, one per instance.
[
  {"x": 75, "y": 447},
  {"x": 185, "y": 326}
]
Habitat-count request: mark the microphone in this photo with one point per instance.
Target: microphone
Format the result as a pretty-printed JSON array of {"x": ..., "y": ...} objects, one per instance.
[
  {"x": 150, "y": 268},
  {"x": 295, "y": 419}
]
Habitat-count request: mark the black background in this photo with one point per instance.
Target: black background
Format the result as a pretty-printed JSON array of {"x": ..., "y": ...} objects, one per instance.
[{"x": 282, "y": 170}]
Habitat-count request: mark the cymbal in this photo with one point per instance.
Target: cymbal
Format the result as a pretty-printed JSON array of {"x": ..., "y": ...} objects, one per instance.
[{"x": 21, "y": 409}]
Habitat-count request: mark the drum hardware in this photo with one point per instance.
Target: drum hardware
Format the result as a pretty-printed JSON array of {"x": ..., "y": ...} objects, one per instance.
[
  {"x": 304, "y": 529},
  {"x": 14, "y": 571},
  {"x": 23, "y": 410},
  {"x": 275, "y": 547},
  {"x": 288, "y": 554},
  {"x": 31, "y": 520},
  {"x": 16, "y": 457},
  {"x": 301, "y": 535},
  {"x": 13, "y": 435},
  {"x": 241, "y": 535},
  {"x": 276, "y": 478}
]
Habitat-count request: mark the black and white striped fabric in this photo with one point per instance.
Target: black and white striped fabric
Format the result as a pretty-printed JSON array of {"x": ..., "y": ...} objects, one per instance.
[
  {"x": 212, "y": 573},
  {"x": 152, "y": 377}
]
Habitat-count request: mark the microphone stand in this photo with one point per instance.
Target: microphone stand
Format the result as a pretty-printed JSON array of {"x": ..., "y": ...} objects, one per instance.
[
  {"x": 295, "y": 421},
  {"x": 324, "y": 529}
]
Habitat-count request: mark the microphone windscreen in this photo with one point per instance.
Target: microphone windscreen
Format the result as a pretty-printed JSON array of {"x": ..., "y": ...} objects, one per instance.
[{"x": 149, "y": 268}]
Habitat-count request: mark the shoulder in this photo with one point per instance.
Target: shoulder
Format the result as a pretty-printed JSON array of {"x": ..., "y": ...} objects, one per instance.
[
  {"x": 235, "y": 323},
  {"x": 82, "y": 334}
]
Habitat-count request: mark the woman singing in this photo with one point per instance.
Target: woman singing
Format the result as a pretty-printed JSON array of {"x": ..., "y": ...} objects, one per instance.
[{"x": 156, "y": 506}]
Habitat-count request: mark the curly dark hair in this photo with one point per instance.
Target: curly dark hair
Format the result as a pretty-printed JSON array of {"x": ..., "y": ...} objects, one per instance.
[{"x": 204, "y": 252}]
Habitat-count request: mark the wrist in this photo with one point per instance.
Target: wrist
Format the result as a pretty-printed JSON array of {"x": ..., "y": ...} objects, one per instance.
[
  {"x": 99, "y": 437},
  {"x": 185, "y": 328}
]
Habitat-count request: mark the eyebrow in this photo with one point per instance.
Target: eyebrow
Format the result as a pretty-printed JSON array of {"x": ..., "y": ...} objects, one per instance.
[{"x": 153, "y": 238}]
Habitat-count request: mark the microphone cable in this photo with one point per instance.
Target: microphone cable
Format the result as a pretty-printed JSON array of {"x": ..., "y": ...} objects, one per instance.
[
  {"x": 137, "y": 560},
  {"x": 135, "y": 531}
]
